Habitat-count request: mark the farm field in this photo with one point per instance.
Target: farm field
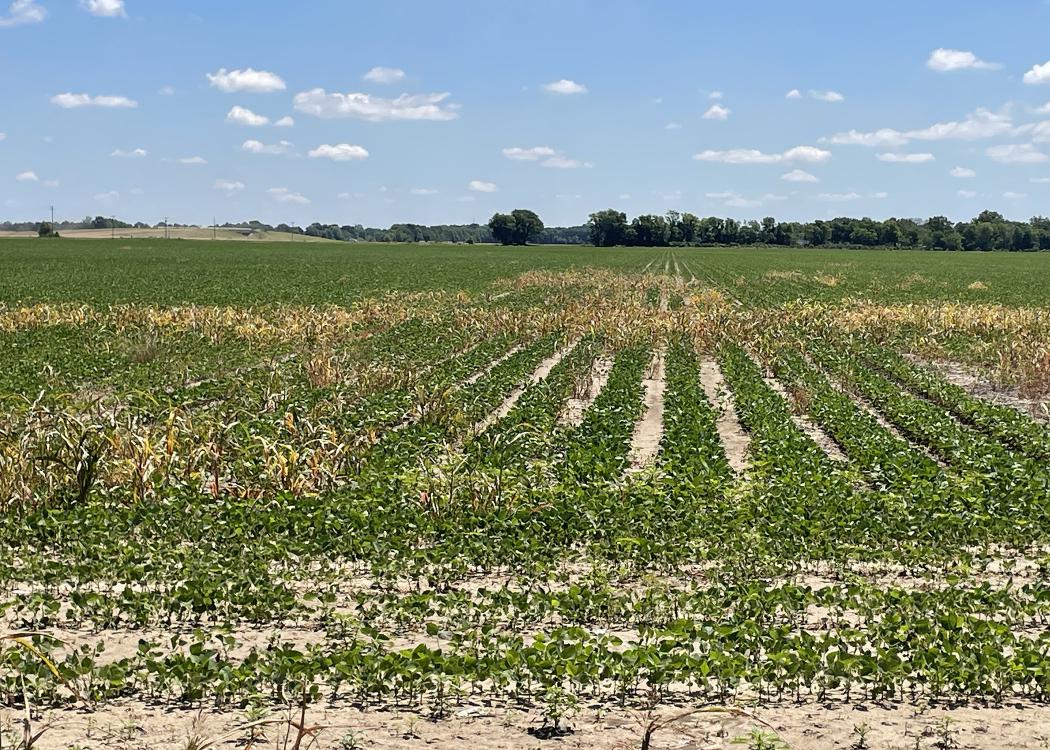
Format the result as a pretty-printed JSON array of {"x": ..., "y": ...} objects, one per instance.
[{"x": 438, "y": 496}]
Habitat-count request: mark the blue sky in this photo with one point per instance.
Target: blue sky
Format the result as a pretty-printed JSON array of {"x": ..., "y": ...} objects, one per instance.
[{"x": 441, "y": 112}]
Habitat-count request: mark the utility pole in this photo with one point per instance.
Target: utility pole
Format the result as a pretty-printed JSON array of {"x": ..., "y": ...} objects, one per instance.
[
  {"x": 52, "y": 220},
  {"x": 214, "y": 226},
  {"x": 165, "y": 227}
]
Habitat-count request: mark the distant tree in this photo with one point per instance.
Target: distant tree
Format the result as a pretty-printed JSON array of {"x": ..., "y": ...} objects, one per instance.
[
  {"x": 989, "y": 217},
  {"x": 651, "y": 231},
  {"x": 46, "y": 230},
  {"x": 527, "y": 224},
  {"x": 502, "y": 228},
  {"x": 607, "y": 228},
  {"x": 689, "y": 227}
]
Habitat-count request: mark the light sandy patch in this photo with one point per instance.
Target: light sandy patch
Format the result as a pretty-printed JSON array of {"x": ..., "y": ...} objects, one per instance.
[
  {"x": 735, "y": 440},
  {"x": 647, "y": 432},
  {"x": 592, "y": 385},
  {"x": 542, "y": 371},
  {"x": 982, "y": 387},
  {"x": 814, "y": 431},
  {"x": 133, "y": 725}
]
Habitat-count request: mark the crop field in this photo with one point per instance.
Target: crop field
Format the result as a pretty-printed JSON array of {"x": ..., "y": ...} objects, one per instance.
[{"x": 362, "y": 496}]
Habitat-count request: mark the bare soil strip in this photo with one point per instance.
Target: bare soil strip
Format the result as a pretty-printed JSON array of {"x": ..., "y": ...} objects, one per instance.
[
  {"x": 735, "y": 440},
  {"x": 494, "y": 363},
  {"x": 812, "y": 429},
  {"x": 977, "y": 385},
  {"x": 541, "y": 372},
  {"x": 572, "y": 415},
  {"x": 664, "y": 301},
  {"x": 647, "y": 433}
]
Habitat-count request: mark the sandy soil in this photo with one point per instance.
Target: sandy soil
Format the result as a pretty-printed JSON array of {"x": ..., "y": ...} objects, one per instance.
[
  {"x": 735, "y": 439},
  {"x": 136, "y": 726},
  {"x": 976, "y": 384},
  {"x": 812, "y": 429},
  {"x": 542, "y": 371},
  {"x": 645, "y": 443},
  {"x": 493, "y": 364}
]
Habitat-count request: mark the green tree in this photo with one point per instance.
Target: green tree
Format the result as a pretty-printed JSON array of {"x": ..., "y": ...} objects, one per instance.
[
  {"x": 650, "y": 230},
  {"x": 527, "y": 224},
  {"x": 502, "y": 228},
  {"x": 607, "y": 228}
]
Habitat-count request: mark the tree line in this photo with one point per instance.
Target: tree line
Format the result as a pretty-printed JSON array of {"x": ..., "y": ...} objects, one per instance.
[{"x": 988, "y": 231}]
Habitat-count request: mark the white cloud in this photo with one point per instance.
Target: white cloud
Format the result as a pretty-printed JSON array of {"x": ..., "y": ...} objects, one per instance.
[
  {"x": 104, "y": 8},
  {"x": 27, "y": 177},
  {"x": 529, "y": 154},
  {"x": 880, "y": 195},
  {"x": 798, "y": 175},
  {"x": 258, "y": 147},
  {"x": 883, "y": 137},
  {"x": 23, "y": 11},
  {"x": 716, "y": 95},
  {"x": 319, "y": 103},
  {"x": 243, "y": 116},
  {"x": 1038, "y": 74},
  {"x": 166, "y": 91},
  {"x": 966, "y": 193},
  {"x": 192, "y": 160},
  {"x": 51, "y": 183},
  {"x": 1039, "y": 132},
  {"x": 793, "y": 94},
  {"x": 284, "y": 195},
  {"x": 1040, "y": 180},
  {"x": 1017, "y": 153},
  {"x": 383, "y": 75},
  {"x": 1011, "y": 195},
  {"x": 3, "y": 136},
  {"x": 423, "y": 191},
  {"x": 339, "y": 152},
  {"x": 754, "y": 156},
  {"x": 945, "y": 60},
  {"x": 549, "y": 156},
  {"x": 827, "y": 96},
  {"x": 107, "y": 197},
  {"x": 565, "y": 86},
  {"x": 285, "y": 122},
  {"x": 1043, "y": 110},
  {"x": 74, "y": 101},
  {"x": 249, "y": 79},
  {"x": 673, "y": 126},
  {"x": 962, "y": 172},
  {"x": 228, "y": 186},
  {"x": 717, "y": 112},
  {"x": 979, "y": 124},
  {"x": 905, "y": 158},
  {"x": 839, "y": 197},
  {"x": 478, "y": 186},
  {"x": 135, "y": 153}
]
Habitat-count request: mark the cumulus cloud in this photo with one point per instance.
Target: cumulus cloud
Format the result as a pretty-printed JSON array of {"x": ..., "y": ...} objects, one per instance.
[
  {"x": 3, "y": 136},
  {"x": 826, "y": 96},
  {"x": 135, "y": 153},
  {"x": 1040, "y": 180},
  {"x": 192, "y": 160},
  {"x": 547, "y": 156},
  {"x": 249, "y": 79},
  {"x": 383, "y": 75},
  {"x": 258, "y": 147},
  {"x": 284, "y": 195},
  {"x": 479, "y": 186},
  {"x": 944, "y": 60},
  {"x": 565, "y": 86},
  {"x": 905, "y": 158},
  {"x": 104, "y": 8},
  {"x": 966, "y": 193},
  {"x": 798, "y": 175},
  {"x": 243, "y": 116},
  {"x": 715, "y": 95},
  {"x": 1017, "y": 153},
  {"x": 880, "y": 195},
  {"x": 23, "y": 11},
  {"x": 717, "y": 112},
  {"x": 793, "y": 94},
  {"x": 339, "y": 152},
  {"x": 962, "y": 172},
  {"x": 107, "y": 197},
  {"x": 29, "y": 176},
  {"x": 285, "y": 122},
  {"x": 839, "y": 197},
  {"x": 423, "y": 191},
  {"x": 75, "y": 101},
  {"x": 754, "y": 156},
  {"x": 1010, "y": 195},
  {"x": 166, "y": 91},
  {"x": 732, "y": 199},
  {"x": 228, "y": 186},
  {"x": 319, "y": 103},
  {"x": 1038, "y": 74},
  {"x": 979, "y": 124}
]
